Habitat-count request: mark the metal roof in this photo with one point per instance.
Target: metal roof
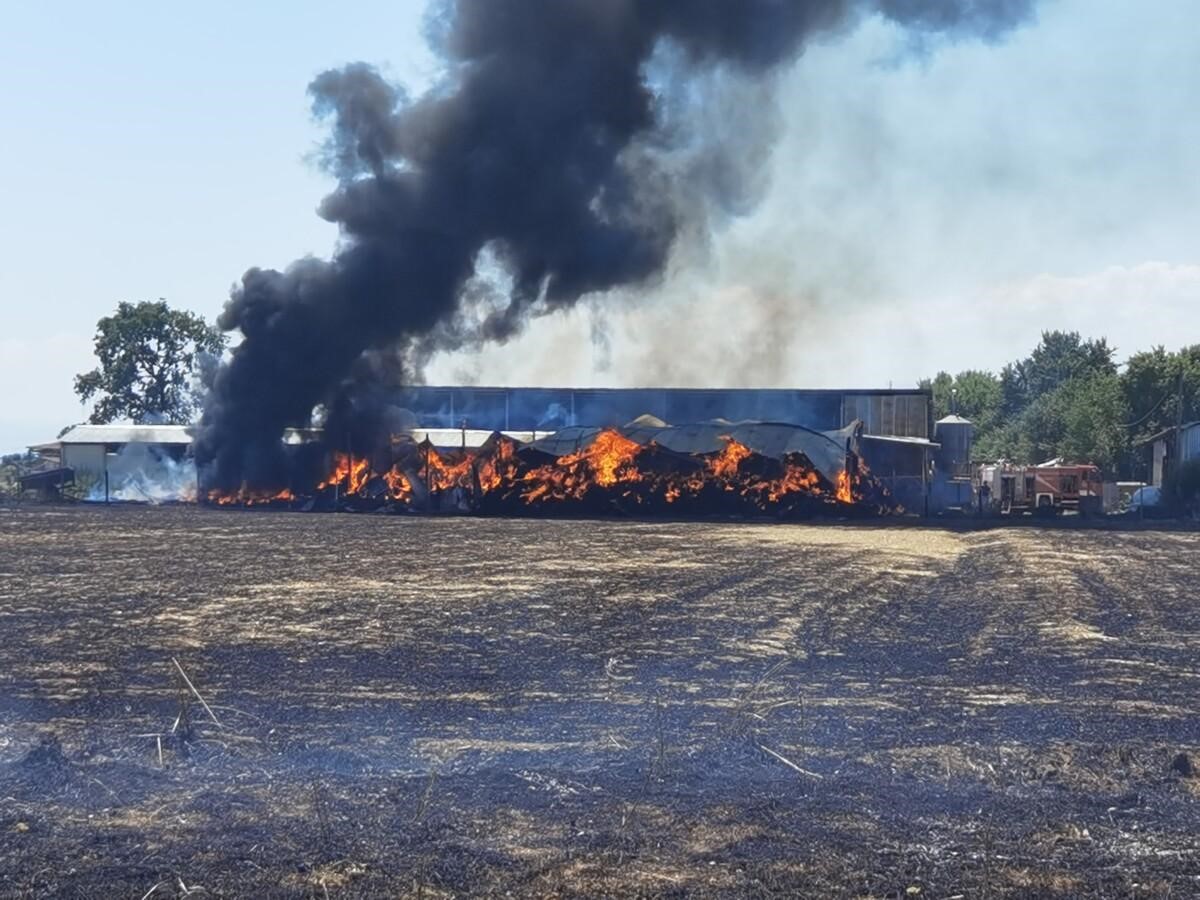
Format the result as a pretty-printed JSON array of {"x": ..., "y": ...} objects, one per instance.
[
  {"x": 1187, "y": 426},
  {"x": 126, "y": 434},
  {"x": 471, "y": 438},
  {"x": 953, "y": 420},
  {"x": 897, "y": 439}
]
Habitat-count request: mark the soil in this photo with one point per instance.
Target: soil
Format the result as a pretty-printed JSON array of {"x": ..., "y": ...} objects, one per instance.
[{"x": 395, "y": 706}]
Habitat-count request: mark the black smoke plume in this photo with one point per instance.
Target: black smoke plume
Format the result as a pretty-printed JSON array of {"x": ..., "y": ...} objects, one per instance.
[{"x": 544, "y": 151}]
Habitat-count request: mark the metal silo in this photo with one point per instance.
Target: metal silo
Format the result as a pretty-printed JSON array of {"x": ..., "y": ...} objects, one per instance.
[{"x": 955, "y": 434}]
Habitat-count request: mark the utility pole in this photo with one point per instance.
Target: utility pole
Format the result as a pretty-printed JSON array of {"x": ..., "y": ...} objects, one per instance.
[{"x": 1179, "y": 423}]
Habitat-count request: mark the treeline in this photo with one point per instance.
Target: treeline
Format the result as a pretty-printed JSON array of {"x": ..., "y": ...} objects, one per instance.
[{"x": 1069, "y": 398}]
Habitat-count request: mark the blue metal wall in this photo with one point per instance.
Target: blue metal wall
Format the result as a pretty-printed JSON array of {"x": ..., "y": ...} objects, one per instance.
[{"x": 527, "y": 409}]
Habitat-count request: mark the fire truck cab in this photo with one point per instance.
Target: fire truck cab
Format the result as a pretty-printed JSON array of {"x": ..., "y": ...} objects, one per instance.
[{"x": 1049, "y": 489}]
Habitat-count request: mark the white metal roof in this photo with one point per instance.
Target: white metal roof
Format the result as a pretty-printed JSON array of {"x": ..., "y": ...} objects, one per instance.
[
  {"x": 126, "y": 434},
  {"x": 179, "y": 435},
  {"x": 472, "y": 438},
  {"x": 898, "y": 439}
]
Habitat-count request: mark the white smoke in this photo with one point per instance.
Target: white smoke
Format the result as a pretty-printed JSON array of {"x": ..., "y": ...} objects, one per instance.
[{"x": 142, "y": 474}]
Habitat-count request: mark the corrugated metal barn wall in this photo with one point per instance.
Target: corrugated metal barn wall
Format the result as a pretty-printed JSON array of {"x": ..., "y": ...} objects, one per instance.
[
  {"x": 1191, "y": 441},
  {"x": 896, "y": 414},
  {"x": 899, "y": 413}
]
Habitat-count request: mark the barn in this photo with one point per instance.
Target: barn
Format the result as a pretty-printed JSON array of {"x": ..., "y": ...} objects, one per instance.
[
  {"x": 891, "y": 429},
  {"x": 88, "y": 449},
  {"x": 886, "y": 413},
  {"x": 112, "y": 460},
  {"x": 894, "y": 438}
]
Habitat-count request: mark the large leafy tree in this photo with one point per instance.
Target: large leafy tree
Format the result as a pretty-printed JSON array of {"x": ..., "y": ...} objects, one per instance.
[
  {"x": 972, "y": 394},
  {"x": 1063, "y": 400},
  {"x": 148, "y": 355},
  {"x": 12, "y": 467},
  {"x": 1151, "y": 383},
  {"x": 1059, "y": 357},
  {"x": 1091, "y": 425}
]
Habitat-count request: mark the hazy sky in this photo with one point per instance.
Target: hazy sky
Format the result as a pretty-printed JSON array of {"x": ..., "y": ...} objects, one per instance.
[{"x": 924, "y": 208}]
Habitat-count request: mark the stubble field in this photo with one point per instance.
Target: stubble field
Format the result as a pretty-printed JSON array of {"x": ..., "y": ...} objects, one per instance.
[{"x": 437, "y": 707}]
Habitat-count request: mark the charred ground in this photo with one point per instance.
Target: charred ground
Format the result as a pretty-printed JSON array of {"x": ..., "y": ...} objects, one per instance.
[{"x": 427, "y": 706}]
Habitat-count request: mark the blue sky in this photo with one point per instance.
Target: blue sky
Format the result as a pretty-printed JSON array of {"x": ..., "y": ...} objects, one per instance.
[{"x": 920, "y": 211}]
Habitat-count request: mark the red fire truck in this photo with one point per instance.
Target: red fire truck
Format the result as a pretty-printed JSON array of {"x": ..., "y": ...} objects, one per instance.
[{"x": 1047, "y": 489}]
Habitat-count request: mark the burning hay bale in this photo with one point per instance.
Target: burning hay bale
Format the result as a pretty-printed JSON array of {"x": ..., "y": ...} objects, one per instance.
[{"x": 646, "y": 468}]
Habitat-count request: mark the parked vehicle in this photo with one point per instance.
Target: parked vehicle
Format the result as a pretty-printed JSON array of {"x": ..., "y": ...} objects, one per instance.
[
  {"x": 1006, "y": 489},
  {"x": 1145, "y": 496}
]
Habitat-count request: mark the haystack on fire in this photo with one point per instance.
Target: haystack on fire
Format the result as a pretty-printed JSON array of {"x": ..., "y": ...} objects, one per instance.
[
  {"x": 561, "y": 156},
  {"x": 646, "y": 467}
]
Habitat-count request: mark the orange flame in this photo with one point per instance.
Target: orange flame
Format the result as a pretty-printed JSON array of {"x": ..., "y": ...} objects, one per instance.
[
  {"x": 399, "y": 487},
  {"x": 350, "y": 474},
  {"x": 611, "y": 463},
  {"x": 608, "y": 461},
  {"x": 796, "y": 480},
  {"x": 610, "y": 457},
  {"x": 725, "y": 464},
  {"x": 494, "y": 469},
  {"x": 245, "y": 496},
  {"x": 445, "y": 475},
  {"x": 845, "y": 494}
]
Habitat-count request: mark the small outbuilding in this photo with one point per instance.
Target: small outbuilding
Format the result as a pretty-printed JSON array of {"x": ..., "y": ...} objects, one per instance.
[
  {"x": 86, "y": 450},
  {"x": 1159, "y": 451}
]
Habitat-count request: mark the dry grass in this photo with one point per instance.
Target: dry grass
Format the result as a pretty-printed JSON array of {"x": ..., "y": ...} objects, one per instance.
[{"x": 421, "y": 707}]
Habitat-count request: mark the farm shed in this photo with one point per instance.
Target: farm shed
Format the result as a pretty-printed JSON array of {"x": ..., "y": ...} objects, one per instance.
[
  {"x": 86, "y": 449},
  {"x": 1158, "y": 452}
]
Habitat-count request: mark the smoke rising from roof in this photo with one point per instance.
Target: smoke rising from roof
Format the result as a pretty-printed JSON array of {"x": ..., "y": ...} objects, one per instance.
[{"x": 565, "y": 153}]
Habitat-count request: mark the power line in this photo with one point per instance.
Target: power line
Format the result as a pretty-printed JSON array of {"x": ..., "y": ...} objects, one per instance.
[{"x": 1153, "y": 409}]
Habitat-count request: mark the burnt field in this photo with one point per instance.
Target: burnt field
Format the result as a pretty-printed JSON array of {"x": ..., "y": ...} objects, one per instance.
[{"x": 440, "y": 707}]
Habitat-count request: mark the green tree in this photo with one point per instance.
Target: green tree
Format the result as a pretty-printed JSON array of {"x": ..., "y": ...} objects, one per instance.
[
  {"x": 1007, "y": 441},
  {"x": 1064, "y": 400},
  {"x": 941, "y": 386},
  {"x": 12, "y": 467},
  {"x": 1083, "y": 420},
  {"x": 972, "y": 394},
  {"x": 1093, "y": 416},
  {"x": 1059, "y": 357},
  {"x": 1151, "y": 384},
  {"x": 148, "y": 356}
]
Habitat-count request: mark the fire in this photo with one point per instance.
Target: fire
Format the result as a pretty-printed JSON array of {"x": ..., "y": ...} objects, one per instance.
[
  {"x": 610, "y": 457},
  {"x": 795, "y": 480},
  {"x": 246, "y": 496},
  {"x": 350, "y": 474},
  {"x": 725, "y": 464},
  {"x": 443, "y": 475},
  {"x": 399, "y": 487},
  {"x": 495, "y": 469},
  {"x": 608, "y": 461},
  {"x": 610, "y": 469},
  {"x": 844, "y": 492}
]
